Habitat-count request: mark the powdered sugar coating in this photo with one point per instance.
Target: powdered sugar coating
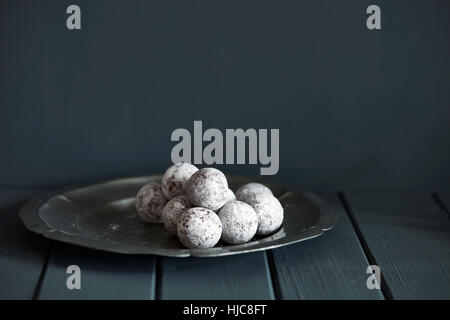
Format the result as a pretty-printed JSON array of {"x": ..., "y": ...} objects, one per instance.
[
  {"x": 239, "y": 222},
  {"x": 230, "y": 196},
  {"x": 199, "y": 228},
  {"x": 246, "y": 191},
  {"x": 175, "y": 178},
  {"x": 207, "y": 188},
  {"x": 269, "y": 210},
  {"x": 172, "y": 212},
  {"x": 149, "y": 202}
]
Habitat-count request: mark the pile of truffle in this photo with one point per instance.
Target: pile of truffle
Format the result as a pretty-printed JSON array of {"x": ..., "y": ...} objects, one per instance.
[{"x": 198, "y": 206}]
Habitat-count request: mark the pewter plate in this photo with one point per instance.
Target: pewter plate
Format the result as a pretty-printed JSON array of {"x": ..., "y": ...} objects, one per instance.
[{"x": 103, "y": 216}]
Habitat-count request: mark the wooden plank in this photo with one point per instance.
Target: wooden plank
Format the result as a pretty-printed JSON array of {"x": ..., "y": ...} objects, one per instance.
[
  {"x": 22, "y": 253},
  {"x": 409, "y": 237},
  {"x": 332, "y": 266},
  {"x": 234, "y": 277},
  {"x": 104, "y": 275}
]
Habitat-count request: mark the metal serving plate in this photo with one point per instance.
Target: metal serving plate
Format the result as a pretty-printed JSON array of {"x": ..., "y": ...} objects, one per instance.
[{"x": 103, "y": 216}]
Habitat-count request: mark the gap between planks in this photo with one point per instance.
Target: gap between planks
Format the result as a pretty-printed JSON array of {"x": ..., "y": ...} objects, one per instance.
[
  {"x": 368, "y": 253},
  {"x": 158, "y": 279},
  {"x": 440, "y": 203},
  {"x": 37, "y": 290},
  {"x": 276, "y": 288}
]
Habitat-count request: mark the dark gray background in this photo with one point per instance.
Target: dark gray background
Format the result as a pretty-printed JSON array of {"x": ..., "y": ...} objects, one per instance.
[{"x": 357, "y": 109}]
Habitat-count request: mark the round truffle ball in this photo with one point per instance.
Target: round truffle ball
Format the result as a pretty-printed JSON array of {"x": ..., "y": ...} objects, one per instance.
[
  {"x": 246, "y": 191},
  {"x": 207, "y": 188},
  {"x": 150, "y": 200},
  {"x": 199, "y": 228},
  {"x": 172, "y": 212},
  {"x": 239, "y": 222},
  {"x": 269, "y": 211},
  {"x": 230, "y": 196},
  {"x": 175, "y": 178}
]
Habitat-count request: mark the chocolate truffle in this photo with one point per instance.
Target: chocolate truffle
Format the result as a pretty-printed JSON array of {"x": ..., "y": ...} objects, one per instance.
[
  {"x": 269, "y": 210},
  {"x": 247, "y": 190},
  {"x": 199, "y": 228},
  {"x": 207, "y": 188},
  {"x": 174, "y": 180},
  {"x": 172, "y": 212},
  {"x": 230, "y": 196},
  {"x": 149, "y": 202},
  {"x": 239, "y": 222}
]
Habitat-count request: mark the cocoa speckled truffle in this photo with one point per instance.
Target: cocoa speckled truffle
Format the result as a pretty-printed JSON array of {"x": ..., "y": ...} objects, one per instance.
[
  {"x": 150, "y": 200},
  {"x": 172, "y": 212},
  {"x": 207, "y": 188},
  {"x": 175, "y": 178},
  {"x": 247, "y": 190},
  {"x": 239, "y": 222},
  {"x": 199, "y": 228},
  {"x": 269, "y": 210},
  {"x": 230, "y": 196}
]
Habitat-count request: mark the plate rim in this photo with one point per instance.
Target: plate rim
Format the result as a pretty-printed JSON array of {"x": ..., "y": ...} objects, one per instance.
[{"x": 29, "y": 214}]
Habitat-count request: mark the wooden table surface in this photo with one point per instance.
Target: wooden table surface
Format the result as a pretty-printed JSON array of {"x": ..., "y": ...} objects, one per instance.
[{"x": 406, "y": 235}]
